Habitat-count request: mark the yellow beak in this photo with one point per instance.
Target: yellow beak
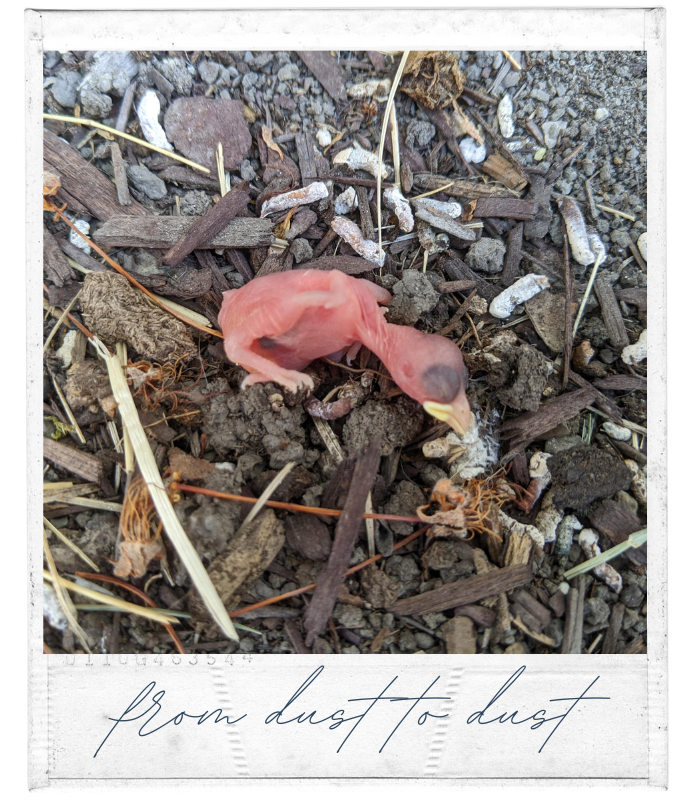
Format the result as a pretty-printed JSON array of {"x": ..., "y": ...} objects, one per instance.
[{"x": 456, "y": 414}]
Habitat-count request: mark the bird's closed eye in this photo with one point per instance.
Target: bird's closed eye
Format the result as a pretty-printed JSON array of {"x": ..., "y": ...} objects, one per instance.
[{"x": 441, "y": 383}]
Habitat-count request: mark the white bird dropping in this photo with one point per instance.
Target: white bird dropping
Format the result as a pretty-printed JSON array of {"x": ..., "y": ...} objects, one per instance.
[
  {"x": 503, "y": 305},
  {"x": 148, "y": 110}
]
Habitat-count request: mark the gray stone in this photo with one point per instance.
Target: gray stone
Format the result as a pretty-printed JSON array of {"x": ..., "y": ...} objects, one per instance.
[
  {"x": 247, "y": 171},
  {"x": 301, "y": 250},
  {"x": 289, "y": 72},
  {"x": 413, "y": 295},
  {"x": 195, "y": 203},
  {"x": 596, "y": 611},
  {"x": 486, "y": 255},
  {"x": 538, "y": 94},
  {"x": 551, "y": 131},
  {"x": 560, "y": 443},
  {"x": 424, "y": 641},
  {"x": 95, "y": 104},
  {"x": 209, "y": 71},
  {"x": 601, "y": 114},
  {"x": 65, "y": 89},
  {"x": 176, "y": 71},
  {"x": 419, "y": 133},
  {"x": 632, "y": 596},
  {"x": 147, "y": 182}
]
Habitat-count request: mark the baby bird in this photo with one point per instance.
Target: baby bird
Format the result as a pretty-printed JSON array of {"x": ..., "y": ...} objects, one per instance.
[{"x": 276, "y": 325}]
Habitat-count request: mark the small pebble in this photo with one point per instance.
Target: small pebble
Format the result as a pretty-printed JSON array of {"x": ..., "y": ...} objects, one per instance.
[
  {"x": 601, "y": 114},
  {"x": 617, "y": 432},
  {"x": 77, "y": 240},
  {"x": 472, "y": 151}
]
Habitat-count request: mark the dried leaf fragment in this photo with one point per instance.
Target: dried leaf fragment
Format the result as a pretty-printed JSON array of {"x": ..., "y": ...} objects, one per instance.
[
  {"x": 270, "y": 142},
  {"x": 432, "y": 78}
]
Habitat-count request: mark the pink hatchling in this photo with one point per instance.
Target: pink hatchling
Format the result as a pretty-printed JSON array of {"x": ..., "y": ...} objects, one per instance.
[{"x": 278, "y": 324}]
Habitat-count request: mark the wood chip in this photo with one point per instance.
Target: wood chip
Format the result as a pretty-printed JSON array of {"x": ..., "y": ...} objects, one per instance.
[
  {"x": 568, "y": 313},
  {"x": 622, "y": 383},
  {"x": 484, "y": 617},
  {"x": 237, "y": 259},
  {"x": 634, "y": 297},
  {"x": 637, "y": 255},
  {"x": 455, "y": 286},
  {"x": 206, "y": 227},
  {"x": 378, "y": 60},
  {"x": 295, "y": 638},
  {"x": 350, "y": 265},
  {"x": 532, "y": 424},
  {"x": 613, "y": 632},
  {"x": 322, "y": 246},
  {"x": 412, "y": 158},
  {"x": 613, "y": 519},
  {"x": 465, "y": 592},
  {"x": 87, "y": 184},
  {"x": 164, "y": 232},
  {"x": 86, "y": 261},
  {"x": 281, "y": 262},
  {"x": 465, "y": 188},
  {"x": 460, "y": 636},
  {"x": 505, "y": 207},
  {"x": 120, "y": 180},
  {"x": 457, "y": 270},
  {"x": 612, "y": 316},
  {"x": 247, "y": 555},
  {"x": 572, "y": 642},
  {"x": 56, "y": 266},
  {"x": 207, "y": 261},
  {"x": 445, "y": 223},
  {"x": 511, "y": 266},
  {"x": 366, "y": 220},
  {"x": 308, "y": 536},
  {"x": 604, "y": 403},
  {"x": 502, "y": 170},
  {"x": 346, "y": 533},
  {"x": 305, "y": 154},
  {"x": 77, "y": 462},
  {"x": 541, "y": 614},
  {"x": 547, "y": 313},
  {"x": 189, "y": 178},
  {"x": 327, "y": 71}
]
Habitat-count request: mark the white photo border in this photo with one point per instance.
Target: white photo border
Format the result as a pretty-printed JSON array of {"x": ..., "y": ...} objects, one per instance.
[{"x": 388, "y": 29}]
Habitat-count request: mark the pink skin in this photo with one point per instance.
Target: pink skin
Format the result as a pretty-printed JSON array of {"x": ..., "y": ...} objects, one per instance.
[{"x": 276, "y": 325}]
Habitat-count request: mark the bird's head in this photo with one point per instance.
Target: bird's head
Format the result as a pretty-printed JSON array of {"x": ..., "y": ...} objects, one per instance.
[{"x": 430, "y": 369}]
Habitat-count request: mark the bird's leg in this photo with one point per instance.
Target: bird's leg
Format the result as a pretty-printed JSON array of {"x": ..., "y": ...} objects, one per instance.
[
  {"x": 262, "y": 369},
  {"x": 352, "y": 352}
]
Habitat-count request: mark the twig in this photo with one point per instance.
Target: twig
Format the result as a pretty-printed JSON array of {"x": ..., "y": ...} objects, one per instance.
[
  {"x": 146, "y": 599},
  {"x": 302, "y": 590},
  {"x": 385, "y": 121},
  {"x": 346, "y": 533},
  {"x": 93, "y": 123},
  {"x": 61, "y": 320},
  {"x": 111, "y": 600},
  {"x": 264, "y": 497},
  {"x": 615, "y": 211},
  {"x": 587, "y": 293},
  {"x": 321, "y": 512},
  {"x": 568, "y": 298}
]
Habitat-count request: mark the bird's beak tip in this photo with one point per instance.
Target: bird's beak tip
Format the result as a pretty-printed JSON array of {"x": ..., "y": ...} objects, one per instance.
[{"x": 457, "y": 415}]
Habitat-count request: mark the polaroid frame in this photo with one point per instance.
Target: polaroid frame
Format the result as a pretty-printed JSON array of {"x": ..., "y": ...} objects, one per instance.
[{"x": 435, "y": 740}]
